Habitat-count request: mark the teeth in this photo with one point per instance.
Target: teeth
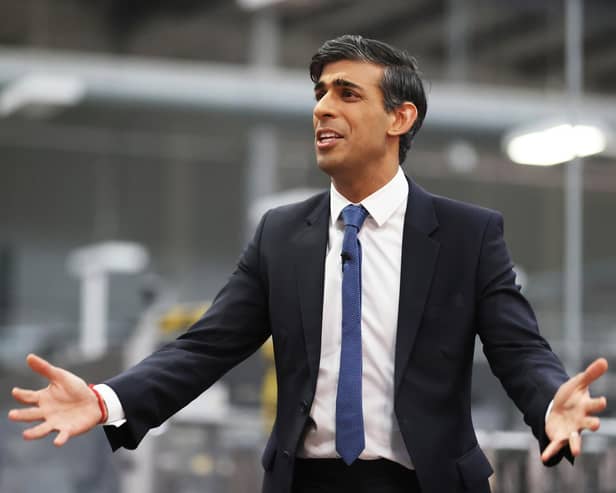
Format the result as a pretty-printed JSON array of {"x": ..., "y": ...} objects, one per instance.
[{"x": 328, "y": 136}]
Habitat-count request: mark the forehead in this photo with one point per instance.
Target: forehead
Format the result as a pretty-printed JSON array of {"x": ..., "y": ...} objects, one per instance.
[{"x": 365, "y": 74}]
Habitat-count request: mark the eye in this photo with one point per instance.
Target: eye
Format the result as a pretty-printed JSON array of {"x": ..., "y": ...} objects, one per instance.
[
  {"x": 347, "y": 93},
  {"x": 318, "y": 95}
]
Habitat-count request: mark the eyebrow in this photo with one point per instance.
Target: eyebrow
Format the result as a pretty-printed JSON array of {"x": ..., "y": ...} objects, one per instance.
[{"x": 338, "y": 83}]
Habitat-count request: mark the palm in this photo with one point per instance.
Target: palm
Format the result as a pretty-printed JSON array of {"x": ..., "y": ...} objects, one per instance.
[
  {"x": 573, "y": 411},
  {"x": 65, "y": 399},
  {"x": 66, "y": 405}
]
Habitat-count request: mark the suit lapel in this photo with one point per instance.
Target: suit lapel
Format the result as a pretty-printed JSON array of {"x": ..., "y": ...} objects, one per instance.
[
  {"x": 310, "y": 245},
  {"x": 419, "y": 255}
]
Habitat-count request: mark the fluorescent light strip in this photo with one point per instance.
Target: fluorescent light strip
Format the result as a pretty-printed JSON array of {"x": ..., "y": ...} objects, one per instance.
[{"x": 556, "y": 144}]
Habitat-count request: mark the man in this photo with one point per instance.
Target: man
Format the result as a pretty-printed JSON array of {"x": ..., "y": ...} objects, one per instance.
[{"x": 373, "y": 293}]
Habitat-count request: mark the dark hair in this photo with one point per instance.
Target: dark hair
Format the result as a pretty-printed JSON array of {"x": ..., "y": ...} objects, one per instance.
[{"x": 401, "y": 81}]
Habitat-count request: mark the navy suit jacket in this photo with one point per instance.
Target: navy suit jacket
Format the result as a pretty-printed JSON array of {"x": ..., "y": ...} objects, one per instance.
[{"x": 456, "y": 281}]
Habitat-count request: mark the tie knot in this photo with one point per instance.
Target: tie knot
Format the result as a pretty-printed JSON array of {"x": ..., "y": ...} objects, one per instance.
[{"x": 354, "y": 215}]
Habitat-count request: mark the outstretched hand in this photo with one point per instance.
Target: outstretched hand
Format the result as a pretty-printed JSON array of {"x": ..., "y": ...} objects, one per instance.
[
  {"x": 573, "y": 411},
  {"x": 66, "y": 405}
]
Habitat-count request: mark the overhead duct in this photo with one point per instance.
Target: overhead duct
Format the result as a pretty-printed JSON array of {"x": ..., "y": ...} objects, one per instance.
[{"x": 278, "y": 93}]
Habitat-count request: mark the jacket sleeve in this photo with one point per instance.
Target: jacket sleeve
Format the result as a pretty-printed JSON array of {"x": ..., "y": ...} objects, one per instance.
[
  {"x": 518, "y": 355},
  {"x": 234, "y": 327}
]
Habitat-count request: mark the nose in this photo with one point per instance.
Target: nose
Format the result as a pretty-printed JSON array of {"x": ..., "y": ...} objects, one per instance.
[{"x": 324, "y": 108}]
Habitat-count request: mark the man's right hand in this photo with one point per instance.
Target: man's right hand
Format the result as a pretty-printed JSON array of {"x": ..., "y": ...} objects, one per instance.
[{"x": 67, "y": 405}]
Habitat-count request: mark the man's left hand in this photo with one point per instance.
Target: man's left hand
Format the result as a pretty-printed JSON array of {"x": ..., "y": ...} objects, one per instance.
[{"x": 573, "y": 411}]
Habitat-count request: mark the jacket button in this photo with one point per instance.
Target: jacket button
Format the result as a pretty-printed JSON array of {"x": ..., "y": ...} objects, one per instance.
[
  {"x": 304, "y": 406},
  {"x": 286, "y": 454}
]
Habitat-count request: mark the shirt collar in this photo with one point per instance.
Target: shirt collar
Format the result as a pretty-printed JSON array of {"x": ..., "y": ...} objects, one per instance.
[{"x": 380, "y": 205}]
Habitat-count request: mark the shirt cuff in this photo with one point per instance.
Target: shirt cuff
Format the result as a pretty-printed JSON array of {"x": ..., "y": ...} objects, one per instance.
[
  {"x": 115, "y": 411},
  {"x": 547, "y": 413}
]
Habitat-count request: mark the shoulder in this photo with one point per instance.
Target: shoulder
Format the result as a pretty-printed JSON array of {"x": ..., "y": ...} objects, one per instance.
[
  {"x": 458, "y": 209},
  {"x": 297, "y": 212},
  {"x": 452, "y": 211}
]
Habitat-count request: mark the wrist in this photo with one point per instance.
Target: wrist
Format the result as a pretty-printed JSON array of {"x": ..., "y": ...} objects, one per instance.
[{"x": 102, "y": 406}]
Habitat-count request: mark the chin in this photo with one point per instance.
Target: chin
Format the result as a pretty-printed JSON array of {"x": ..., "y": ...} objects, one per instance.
[
  {"x": 328, "y": 166},
  {"x": 329, "y": 162}
]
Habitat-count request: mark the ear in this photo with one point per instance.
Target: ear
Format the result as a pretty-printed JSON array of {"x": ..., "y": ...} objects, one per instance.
[{"x": 403, "y": 118}]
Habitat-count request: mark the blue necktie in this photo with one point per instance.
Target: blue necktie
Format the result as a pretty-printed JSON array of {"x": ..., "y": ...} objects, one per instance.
[{"x": 350, "y": 439}]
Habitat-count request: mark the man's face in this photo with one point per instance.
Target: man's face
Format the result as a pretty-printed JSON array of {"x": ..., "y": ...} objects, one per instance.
[{"x": 349, "y": 117}]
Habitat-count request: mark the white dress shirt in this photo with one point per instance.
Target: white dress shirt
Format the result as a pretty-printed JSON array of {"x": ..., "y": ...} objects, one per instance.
[{"x": 381, "y": 243}]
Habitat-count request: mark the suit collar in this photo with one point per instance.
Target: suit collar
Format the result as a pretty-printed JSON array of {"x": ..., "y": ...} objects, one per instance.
[
  {"x": 420, "y": 214},
  {"x": 320, "y": 211}
]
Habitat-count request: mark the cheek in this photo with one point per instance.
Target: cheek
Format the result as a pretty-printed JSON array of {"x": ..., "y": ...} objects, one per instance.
[{"x": 372, "y": 129}]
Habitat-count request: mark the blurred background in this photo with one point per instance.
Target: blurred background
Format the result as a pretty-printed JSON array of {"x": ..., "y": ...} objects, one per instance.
[{"x": 140, "y": 142}]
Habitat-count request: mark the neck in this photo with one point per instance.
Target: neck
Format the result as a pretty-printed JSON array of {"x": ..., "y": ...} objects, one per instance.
[{"x": 356, "y": 188}]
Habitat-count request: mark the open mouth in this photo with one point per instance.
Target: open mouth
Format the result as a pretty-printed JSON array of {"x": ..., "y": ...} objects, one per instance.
[{"x": 327, "y": 138}]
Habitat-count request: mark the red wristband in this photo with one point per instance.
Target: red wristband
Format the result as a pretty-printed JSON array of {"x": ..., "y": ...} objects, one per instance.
[{"x": 101, "y": 404}]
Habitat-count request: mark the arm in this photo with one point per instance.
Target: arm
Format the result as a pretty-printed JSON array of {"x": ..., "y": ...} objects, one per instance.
[
  {"x": 234, "y": 327},
  {"x": 522, "y": 360}
]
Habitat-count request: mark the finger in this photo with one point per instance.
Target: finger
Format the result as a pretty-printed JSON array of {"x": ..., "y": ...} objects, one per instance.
[
  {"x": 575, "y": 443},
  {"x": 591, "y": 423},
  {"x": 593, "y": 371},
  {"x": 596, "y": 405},
  {"x": 25, "y": 396},
  {"x": 37, "y": 432},
  {"x": 42, "y": 367},
  {"x": 26, "y": 415},
  {"x": 62, "y": 438},
  {"x": 552, "y": 449}
]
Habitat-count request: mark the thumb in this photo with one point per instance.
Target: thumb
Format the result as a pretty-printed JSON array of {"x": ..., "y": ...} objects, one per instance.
[
  {"x": 42, "y": 367},
  {"x": 594, "y": 371}
]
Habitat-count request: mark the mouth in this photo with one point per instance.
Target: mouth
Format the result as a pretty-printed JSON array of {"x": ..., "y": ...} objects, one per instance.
[{"x": 326, "y": 138}]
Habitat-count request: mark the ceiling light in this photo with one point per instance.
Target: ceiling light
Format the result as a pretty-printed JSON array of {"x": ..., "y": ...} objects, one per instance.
[
  {"x": 41, "y": 94},
  {"x": 258, "y": 4},
  {"x": 554, "y": 143}
]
